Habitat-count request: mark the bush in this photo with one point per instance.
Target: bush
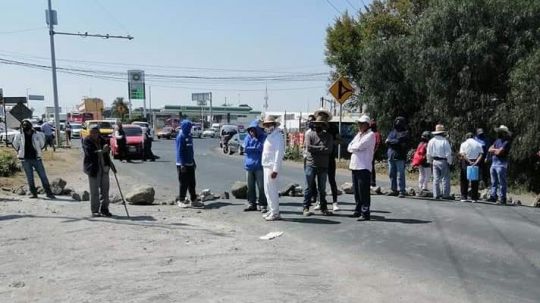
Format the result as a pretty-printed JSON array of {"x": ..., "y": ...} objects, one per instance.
[
  {"x": 8, "y": 163},
  {"x": 293, "y": 153}
]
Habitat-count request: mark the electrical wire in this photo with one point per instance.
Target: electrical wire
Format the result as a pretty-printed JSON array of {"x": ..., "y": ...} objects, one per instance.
[
  {"x": 348, "y": 1},
  {"x": 332, "y": 5}
]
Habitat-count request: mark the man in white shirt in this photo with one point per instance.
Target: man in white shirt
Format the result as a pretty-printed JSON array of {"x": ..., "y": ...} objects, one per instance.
[
  {"x": 439, "y": 153},
  {"x": 272, "y": 159},
  {"x": 470, "y": 154},
  {"x": 362, "y": 149}
]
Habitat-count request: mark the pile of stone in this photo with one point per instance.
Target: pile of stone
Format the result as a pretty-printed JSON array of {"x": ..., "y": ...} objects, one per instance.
[{"x": 292, "y": 190}]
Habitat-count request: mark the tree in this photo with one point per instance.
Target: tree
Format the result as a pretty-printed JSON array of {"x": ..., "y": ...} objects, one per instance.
[{"x": 119, "y": 108}]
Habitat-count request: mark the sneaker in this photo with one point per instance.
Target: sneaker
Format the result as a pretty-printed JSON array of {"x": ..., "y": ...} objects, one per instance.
[
  {"x": 474, "y": 201},
  {"x": 266, "y": 214},
  {"x": 317, "y": 207},
  {"x": 264, "y": 209},
  {"x": 336, "y": 207},
  {"x": 183, "y": 203},
  {"x": 355, "y": 215},
  {"x": 401, "y": 195},
  {"x": 251, "y": 207},
  {"x": 275, "y": 217},
  {"x": 364, "y": 218},
  {"x": 106, "y": 213},
  {"x": 325, "y": 212},
  {"x": 306, "y": 212},
  {"x": 197, "y": 204}
]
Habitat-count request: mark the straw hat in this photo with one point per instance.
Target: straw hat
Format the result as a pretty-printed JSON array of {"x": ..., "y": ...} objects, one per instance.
[
  {"x": 320, "y": 120},
  {"x": 271, "y": 120},
  {"x": 325, "y": 111},
  {"x": 439, "y": 130}
]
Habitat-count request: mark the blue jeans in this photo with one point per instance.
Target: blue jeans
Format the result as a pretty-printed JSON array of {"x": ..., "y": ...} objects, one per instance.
[
  {"x": 321, "y": 174},
  {"x": 498, "y": 177},
  {"x": 396, "y": 171},
  {"x": 255, "y": 179},
  {"x": 29, "y": 165}
]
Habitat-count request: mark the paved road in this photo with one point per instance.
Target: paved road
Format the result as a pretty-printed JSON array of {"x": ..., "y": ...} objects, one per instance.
[{"x": 478, "y": 252}]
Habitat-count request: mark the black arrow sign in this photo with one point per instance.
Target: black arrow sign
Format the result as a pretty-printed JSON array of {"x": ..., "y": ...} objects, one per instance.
[{"x": 342, "y": 90}]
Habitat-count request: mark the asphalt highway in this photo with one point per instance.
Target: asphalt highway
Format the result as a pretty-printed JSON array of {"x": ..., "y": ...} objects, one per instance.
[{"x": 478, "y": 252}]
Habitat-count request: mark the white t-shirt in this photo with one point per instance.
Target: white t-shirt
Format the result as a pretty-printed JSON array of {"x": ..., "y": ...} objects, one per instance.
[{"x": 471, "y": 149}]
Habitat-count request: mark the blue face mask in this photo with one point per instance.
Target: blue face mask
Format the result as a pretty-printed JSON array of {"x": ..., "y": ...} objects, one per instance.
[{"x": 311, "y": 125}]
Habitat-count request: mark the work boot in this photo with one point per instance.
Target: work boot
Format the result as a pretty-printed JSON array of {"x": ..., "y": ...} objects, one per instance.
[{"x": 197, "y": 204}]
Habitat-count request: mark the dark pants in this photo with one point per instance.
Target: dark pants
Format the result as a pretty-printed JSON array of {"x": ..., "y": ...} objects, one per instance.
[
  {"x": 373, "y": 174},
  {"x": 361, "y": 187},
  {"x": 332, "y": 178},
  {"x": 464, "y": 183},
  {"x": 313, "y": 186},
  {"x": 485, "y": 174},
  {"x": 321, "y": 175},
  {"x": 122, "y": 149},
  {"x": 148, "y": 154},
  {"x": 29, "y": 165},
  {"x": 187, "y": 182},
  {"x": 49, "y": 141},
  {"x": 255, "y": 180}
]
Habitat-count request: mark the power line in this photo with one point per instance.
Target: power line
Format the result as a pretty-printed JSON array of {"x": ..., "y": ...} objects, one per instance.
[
  {"x": 348, "y": 1},
  {"x": 118, "y": 23},
  {"x": 332, "y": 5}
]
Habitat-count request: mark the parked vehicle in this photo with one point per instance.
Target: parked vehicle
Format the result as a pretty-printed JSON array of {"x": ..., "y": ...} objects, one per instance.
[
  {"x": 167, "y": 132},
  {"x": 196, "y": 132},
  {"x": 145, "y": 125},
  {"x": 215, "y": 127},
  {"x": 106, "y": 129},
  {"x": 135, "y": 143},
  {"x": 10, "y": 135},
  {"x": 76, "y": 130},
  {"x": 209, "y": 133},
  {"x": 236, "y": 144}
]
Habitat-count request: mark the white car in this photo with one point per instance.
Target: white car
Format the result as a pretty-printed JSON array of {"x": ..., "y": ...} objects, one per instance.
[
  {"x": 76, "y": 130},
  {"x": 10, "y": 135},
  {"x": 196, "y": 132},
  {"x": 145, "y": 125},
  {"x": 209, "y": 133}
]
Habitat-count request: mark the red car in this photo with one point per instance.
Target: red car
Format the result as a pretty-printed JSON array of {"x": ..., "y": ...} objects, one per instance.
[{"x": 135, "y": 143}]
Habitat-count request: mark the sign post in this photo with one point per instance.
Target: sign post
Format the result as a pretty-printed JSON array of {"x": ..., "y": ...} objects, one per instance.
[
  {"x": 5, "y": 113},
  {"x": 136, "y": 89},
  {"x": 202, "y": 99},
  {"x": 342, "y": 90}
]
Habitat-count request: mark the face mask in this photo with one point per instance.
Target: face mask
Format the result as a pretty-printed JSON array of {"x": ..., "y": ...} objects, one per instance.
[
  {"x": 311, "y": 125},
  {"x": 269, "y": 129},
  {"x": 318, "y": 129},
  {"x": 26, "y": 127}
]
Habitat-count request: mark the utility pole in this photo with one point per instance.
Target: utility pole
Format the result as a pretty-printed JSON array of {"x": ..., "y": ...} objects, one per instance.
[
  {"x": 52, "y": 20},
  {"x": 266, "y": 99}
]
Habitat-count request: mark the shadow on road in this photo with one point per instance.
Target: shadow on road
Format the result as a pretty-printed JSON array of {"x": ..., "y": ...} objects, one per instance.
[
  {"x": 136, "y": 218},
  {"x": 310, "y": 220},
  {"x": 404, "y": 221},
  {"x": 13, "y": 217},
  {"x": 9, "y": 200},
  {"x": 218, "y": 205}
]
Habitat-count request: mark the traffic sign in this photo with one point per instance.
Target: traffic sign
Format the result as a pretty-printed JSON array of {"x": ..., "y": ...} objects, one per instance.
[
  {"x": 342, "y": 90},
  {"x": 36, "y": 97},
  {"x": 20, "y": 112}
]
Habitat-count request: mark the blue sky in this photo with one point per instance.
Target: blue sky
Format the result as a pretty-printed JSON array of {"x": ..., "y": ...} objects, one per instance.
[{"x": 205, "y": 38}]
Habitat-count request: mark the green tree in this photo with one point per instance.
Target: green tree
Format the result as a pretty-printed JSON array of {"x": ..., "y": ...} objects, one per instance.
[{"x": 119, "y": 108}]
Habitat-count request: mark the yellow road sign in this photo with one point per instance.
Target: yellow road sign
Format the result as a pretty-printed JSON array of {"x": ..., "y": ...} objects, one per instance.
[{"x": 342, "y": 90}]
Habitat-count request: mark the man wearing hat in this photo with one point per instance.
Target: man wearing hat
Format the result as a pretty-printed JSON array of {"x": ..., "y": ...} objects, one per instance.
[
  {"x": 397, "y": 141},
  {"x": 362, "y": 149},
  {"x": 319, "y": 145},
  {"x": 439, "y": 154},
  {"x": 499, "y": 164},
  {"x": 272, "y": 159},
  {"x": 97, "y": 164},
  {"x": 29, "y": 144}
]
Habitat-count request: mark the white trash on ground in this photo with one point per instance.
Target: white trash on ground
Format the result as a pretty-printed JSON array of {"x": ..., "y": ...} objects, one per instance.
[{"x": 271, "y": 235}]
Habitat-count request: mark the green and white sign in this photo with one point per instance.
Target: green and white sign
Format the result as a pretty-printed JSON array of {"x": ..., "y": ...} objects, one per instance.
[{"x": 136, "y": 84}]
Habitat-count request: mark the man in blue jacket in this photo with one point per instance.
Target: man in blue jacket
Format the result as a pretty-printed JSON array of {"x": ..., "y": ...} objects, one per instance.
[
  {"x": 185, "y": 165},
  {"x": 254, "y": 143},
  {"x": 397, "y": 142}
]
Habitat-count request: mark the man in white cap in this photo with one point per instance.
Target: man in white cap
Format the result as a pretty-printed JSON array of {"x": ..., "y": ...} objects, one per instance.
[
  {"x": 470, "y": 154},
  {"x": 439, "y": 153},
  {"x": 499, "y": 164},
  {"x": 272, "y": 159},
  {"x": 362, "y": 149}
]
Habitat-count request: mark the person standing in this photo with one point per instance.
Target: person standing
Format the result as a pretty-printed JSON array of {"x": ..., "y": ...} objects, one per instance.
[
  {"x": 121, "y": 141},
  {"x": 185, "y": 166},
  {"x": 362, "y": 149},
  {"x": 147, "y": 150},
  {"x": 319, "y": 145},
  {"x": 272, "y": 159},
  {"x": 499, "y": 164},
  {"x": 397, "y": 141},
  {"x": 439, "y": 154},
  {"x": 68, "y": 133},
  {"x": 97, "y": 164},
  {"x": 48, "y": 130},
  {"x": 420, "y": 161},
  {"x": 311, "y": 127},
  {"x": 485, "y": 163},
  {"x": 470, "y": 154},
  {"x": 254, "y": 143},
  {"x": 28, "y": 145},
  {"x": 378, "y": 141}
]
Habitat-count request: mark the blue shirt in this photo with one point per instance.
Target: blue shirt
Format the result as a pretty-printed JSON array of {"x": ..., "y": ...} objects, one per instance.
[{"x": 502, "y": 159}]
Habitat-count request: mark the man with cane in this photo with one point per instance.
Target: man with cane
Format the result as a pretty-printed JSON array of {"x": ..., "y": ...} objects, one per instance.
[{"x": 97, "y": 164}]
